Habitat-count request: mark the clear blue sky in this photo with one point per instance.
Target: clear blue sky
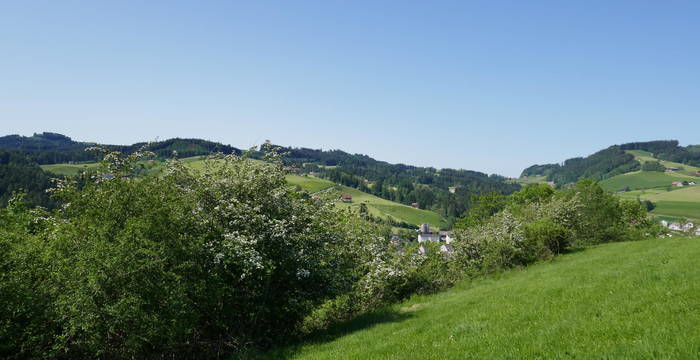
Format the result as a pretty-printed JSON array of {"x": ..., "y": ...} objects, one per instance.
[{"x": 493, "y": 86}]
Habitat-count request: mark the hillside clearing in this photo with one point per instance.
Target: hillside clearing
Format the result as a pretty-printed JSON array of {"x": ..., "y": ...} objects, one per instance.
[
  {"x": 644, "y": 180},
  {"x": 623, "y": 301}
]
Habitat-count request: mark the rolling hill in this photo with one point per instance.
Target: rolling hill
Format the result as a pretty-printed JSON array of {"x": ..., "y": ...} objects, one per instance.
[
  {"x": 655, "y": 186},
  {"x": 629, "y": 300}
]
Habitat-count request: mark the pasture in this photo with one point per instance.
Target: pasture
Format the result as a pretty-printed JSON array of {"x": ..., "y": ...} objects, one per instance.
[{"x": 631, "y": 300}]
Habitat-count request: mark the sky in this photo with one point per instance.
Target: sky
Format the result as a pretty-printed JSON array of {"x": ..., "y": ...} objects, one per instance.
[{"x": 493, "y": 86}]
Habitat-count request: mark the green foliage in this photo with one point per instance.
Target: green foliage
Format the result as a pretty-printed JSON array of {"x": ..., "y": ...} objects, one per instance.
[
  {"x": 17, "y": 174},
  {"x": 601, "y": 165},
  {"x": 190, "y": 263},
  {"x": 653, "y": 166}
]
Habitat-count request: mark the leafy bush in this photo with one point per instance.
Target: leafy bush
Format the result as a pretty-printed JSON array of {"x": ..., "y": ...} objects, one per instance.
[{"x": 189, "y": 263}]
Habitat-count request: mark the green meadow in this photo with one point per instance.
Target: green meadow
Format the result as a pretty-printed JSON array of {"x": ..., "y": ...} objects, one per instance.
[
  {"x": 633, "y": 300},
  {"x": 644, "y": 180},
  {"x": 69, "y": 169}
]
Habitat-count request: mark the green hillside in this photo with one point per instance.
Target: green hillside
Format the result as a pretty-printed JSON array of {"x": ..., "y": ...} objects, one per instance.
[
  {"x": 375, "y": 205},
  {"x": 69, "y": 169},
  {"x": 630, "y": 300},
  {"x": 644, "y": 180}
]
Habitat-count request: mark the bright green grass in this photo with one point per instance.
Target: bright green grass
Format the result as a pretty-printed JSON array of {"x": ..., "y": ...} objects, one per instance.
[
  {"x": 69, "y": 169},
  {"x": 680, "y": 202},
  {"x": 309, "y": 183},
  {"x": 528, "y": 180},
  {"x": 635, "y": 300},
  {"x": 643, "y": 156},
  {"x": 644, "y": 180},
  {"x": 386, "y": 208},
  {"x": 677, "y": 209}
]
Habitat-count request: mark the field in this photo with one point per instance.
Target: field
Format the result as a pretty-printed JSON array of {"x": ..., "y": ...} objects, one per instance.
[
  {"x": 680, "y": 202},
  {"x": 635, "y": 300},
  {"x": 376, "y": 206},
  {"x": 644, "y": 180},
  {"x": 528, "y": 180},
  {"x": 69, "y": 169},
  {"x": 647, "y": 156}
]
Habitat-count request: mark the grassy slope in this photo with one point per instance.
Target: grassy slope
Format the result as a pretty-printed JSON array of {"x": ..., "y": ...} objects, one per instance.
[
  {"x": 376, "y": 205},
  {"x": 69, "y": 169},
  {"x": 644, "y": 180},
  {"x": 637, "y": 300},
  {"x": 647, "y": 156}
]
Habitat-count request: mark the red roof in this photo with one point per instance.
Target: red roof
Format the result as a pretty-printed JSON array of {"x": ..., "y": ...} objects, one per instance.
[{"x": 346, "y": 196}]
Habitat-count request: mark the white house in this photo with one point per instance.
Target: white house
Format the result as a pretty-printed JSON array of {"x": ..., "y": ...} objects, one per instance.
[
  {"x": 446, "y": 236},
  {"x": 687, "y": 227},
  {"x": 675, "y": 226},
  {"x": 664, "y": 223},
  {"x": 423, "y": 237}
]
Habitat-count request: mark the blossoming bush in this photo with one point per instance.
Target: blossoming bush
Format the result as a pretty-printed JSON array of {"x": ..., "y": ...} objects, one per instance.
[
  {"x": 186, "y": 264},
  {"x": 538, "y": 223}
]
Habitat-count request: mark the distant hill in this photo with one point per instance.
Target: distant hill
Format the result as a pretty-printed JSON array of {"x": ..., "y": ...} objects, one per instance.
[
  {"x": 51, "y": 148},
  {"x": 615, "y": 160},
  {"x": 448, "y": 192}
]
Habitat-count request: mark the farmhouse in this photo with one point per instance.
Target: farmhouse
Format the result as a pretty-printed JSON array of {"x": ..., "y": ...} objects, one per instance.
[
  {"x": 424, "y": 234},
  {"x": 675, "y": 226},
  {"x": 677, "y": 183},
  {"x": 691, "y": 182},
  {"x": 446, "y": 236},
  {"x": 346, "y": 198},
  {"x": 415, "y": 205},
  {"x": 671, "y": 169},
  {"x": 689, "y": 226}
]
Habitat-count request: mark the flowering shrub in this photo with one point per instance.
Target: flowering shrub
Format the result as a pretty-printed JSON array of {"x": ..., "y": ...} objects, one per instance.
[
  {"x": 536, "y": 224},
  {"x": 191, "y": 263}
]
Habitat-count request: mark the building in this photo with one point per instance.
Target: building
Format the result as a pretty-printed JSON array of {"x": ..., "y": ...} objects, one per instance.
[
  {"x": 424, "y": 234},
  {"x": 423, "y": 237},
  {"x": 422, "y": 250},
  {"x": 446, "y": 236},
  {"x": 675, "y": 226},
  {"x": 415, "y": 205},
  {"x": 676, "y": 183},
  {"x": 346, "y": 198},
  {"x": 664, "y": 223},
  {"x": 689, "y": 226}
]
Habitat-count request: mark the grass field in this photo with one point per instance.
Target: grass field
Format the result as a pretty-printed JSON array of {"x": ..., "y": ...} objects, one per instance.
[
  {"x": 69, "y": 169},
  {"x": 644, "y": 180},
  {"x": 635, "y": 300},
  {"x": 385, "y": 208},
  {"x": 528, "y": 180},
  {"x": 680, "y": 202},
  {"x": 309, "y": 183},
  {"x": 647, "y": 156}
]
